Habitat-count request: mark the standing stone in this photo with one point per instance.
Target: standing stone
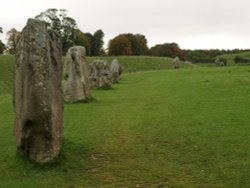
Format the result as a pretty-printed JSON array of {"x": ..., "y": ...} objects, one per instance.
[
  {"x": 115, "y": 70},
  {"x": 220, "y": 62},
  {"x": 100, "y": 74},
  {"x": 176, "y": 62},
  {"x": 217, "y": 62},
  {"x": 38, "y": 100},
  {"x": 76, "y": 75}
]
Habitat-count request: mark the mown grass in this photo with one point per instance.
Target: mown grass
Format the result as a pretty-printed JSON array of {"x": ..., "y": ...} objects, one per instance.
[
  {"x": 166, "y": 128},
  {"x": 141, "y": 63}
]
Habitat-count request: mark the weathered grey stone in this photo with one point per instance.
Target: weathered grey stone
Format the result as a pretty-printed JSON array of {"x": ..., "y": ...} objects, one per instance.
[
  {"x": 220, "y": 62},
  {"x": 115, "y": 70},
  {"x": 176, "y": 62},
  {"x": 38, "y": 100},
  {"x": 217, "y": 62},
  {"x": 76, "y": 75},
  {"x": 100, "y": 74}
]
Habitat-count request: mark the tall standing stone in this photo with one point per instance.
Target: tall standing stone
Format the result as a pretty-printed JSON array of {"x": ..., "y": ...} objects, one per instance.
[
  {"x": 100, "y": 74},
  {"x": 76, "y": 75},
  {"x": 38, "y": 100},
  {"x": 115, "y": 70}
]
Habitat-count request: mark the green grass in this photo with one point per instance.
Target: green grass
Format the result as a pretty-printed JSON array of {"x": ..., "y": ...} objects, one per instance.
[
  {"x": 6, "y": 75},
  {"x": 141, "y": 63},
  {"x": 166, "y": 128},
  {"x": 130, "y": 64}
]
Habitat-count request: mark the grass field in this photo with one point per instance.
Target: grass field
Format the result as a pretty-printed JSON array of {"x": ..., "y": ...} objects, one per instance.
[{"x": 165, "y": 128}]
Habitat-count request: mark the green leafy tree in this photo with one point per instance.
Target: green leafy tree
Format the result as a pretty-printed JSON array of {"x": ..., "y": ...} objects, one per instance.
[
  {"x": 13, "y": 38},
  {"x": 59, "y": 21},
  {"x": 90, "y": 38},
  {"x": 2, "y": 45},
  {"x": 209, "y": 56},
  {"x": 138, "y": 43},
  {"x": 239, "y": 59},
  {"x": 66, "y": 27},
  {"x": 82, "y": 39},
  {"x": 134, "y": 43},
  {"x": 97, "y": 43},
  {"x": 168, "y": 50},
  {"x": 120, "y": 45},
  {"x": 142, "y": 44}
]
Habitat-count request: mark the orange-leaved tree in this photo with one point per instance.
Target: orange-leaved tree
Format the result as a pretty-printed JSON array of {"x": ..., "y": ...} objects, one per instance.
[{"x": 120, "y": 45}]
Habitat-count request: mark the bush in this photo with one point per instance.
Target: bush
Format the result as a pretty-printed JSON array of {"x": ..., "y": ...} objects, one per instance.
[{"x": 239, "y": 59}]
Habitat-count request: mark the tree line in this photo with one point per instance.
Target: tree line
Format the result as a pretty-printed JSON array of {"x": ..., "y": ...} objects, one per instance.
[
  {"x": 122, "y": 44},
  {"x": 66, "y": 27},
  {"x": 2, "y": 45}
]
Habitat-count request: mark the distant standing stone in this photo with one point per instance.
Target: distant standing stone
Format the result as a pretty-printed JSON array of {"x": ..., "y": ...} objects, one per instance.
[
  {"x": 76, "y": 75},
  {"x": 38, "y": 100},
  {"x": 176, "y": 62},
  {"x": 115, "y": 70},
  {"x": 100, "y": 74},
  {"x": 217, "y": 62},
  {"x": 220, "y": 62}
]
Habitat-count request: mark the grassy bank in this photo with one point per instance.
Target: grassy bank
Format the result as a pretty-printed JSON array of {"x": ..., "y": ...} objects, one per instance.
[
  {"x": 230, "y": 57},
  {"x": 141, "y": 63}
]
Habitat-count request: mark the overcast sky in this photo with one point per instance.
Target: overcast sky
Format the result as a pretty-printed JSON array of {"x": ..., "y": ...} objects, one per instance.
[{"x": 193, "y": 24}]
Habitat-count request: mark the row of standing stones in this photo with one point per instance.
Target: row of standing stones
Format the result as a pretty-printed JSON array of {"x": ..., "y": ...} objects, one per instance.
[
  {"x": 38, "y": 98},
  {"x": 80, "y": 77}
]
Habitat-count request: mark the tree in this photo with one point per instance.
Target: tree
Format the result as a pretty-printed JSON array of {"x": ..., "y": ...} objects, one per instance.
[
  {"x": 209, "y": 56},
  {"x": 59, "y": 21},
  {"x": 13, "y": 38},
  {"x": 133, "y": 42},
  {"x": 82, "y": 39},
  {"x": 97, "y": 45},
  {"x": 138, "y": 43},
  {"x": 2, "y": 46},
  {"x": 66, "y": 27},
  {"x": 168, "y": 50},
  {"x": 90, "y": 38},
  {"x": 120, "y": 45},
  {"x": 239, "y": 59},
  {"x": 51, "y": 16},
  {"x": 142, "y": 44}
]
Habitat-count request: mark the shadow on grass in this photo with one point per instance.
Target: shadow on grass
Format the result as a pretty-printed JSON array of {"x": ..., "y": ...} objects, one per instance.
[
  {"x": 90, "y": 100},
  {"x": 73, "y": 157},
  {"x": 104, "y": 88},
  {"x": 119, "y": 83}
]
